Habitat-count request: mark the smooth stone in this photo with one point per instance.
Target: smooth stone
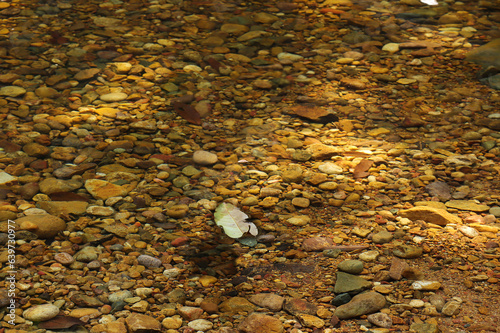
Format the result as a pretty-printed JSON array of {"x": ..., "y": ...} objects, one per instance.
[
  {"x": 310, "y": 320},
  {"x": 486, "y": 55},
  {"x": 87, "y": 254},
  {"x": 351, "y": 266},
  {"x": 431, "y": 215},
  {"x": 190, "y": 312},
  {"x": 382, "y": 237},
  {"x": 53, "y": 185},
  {"x": 200, "y": 325},
  {"x": 44, "y": 226},
  {"x": 207, "y": 280},
  {"x": 295, "y": 306},
  {"x": 139, "y": 323},
  {"x": 348, "y": 283},
  {"x": 424, "y": 328},
  {"x": 120, "y": 296},
  {"x": 148, "y": 261},
  {"x": 204, "y": 157},
  {"x": 41, "y": 312},
  {"x": 426, "y": 285},
  {"x": 330, "y": 168},
  {"x": 495, "y": 211},
  {"x": 12, "y": 91},
  {"x": 300, "y": 220},
  {"x": 361, "y": 304},
  {"x": 267, "y": 300},
  {"x": 236, "y": 304},
  {"x": 5, "y": 178},
  {"x": 469, "y": 205},
  {"x": 113, "y": 97},
  {"x": 261, "y": 323},
  {"x": 101, "y": 189},
  {"x": 369, "y": 256},
  {"x": 452, "y": 307},
  {"x": 59, "y": 208}
]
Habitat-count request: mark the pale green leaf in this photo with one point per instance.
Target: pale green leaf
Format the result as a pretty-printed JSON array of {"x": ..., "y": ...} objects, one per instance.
[{"x": 233, "y": 221}]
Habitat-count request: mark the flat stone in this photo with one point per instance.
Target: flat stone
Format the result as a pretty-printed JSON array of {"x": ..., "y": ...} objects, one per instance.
[
  {"x": 42, "y": 312},
  {"x": 101, "y": 189},
  {"x": 295, "y": 306},
  {"x": 380, "y": 320},
  {"x": 44, "y": 226},
  {"x": 408, "y": 251},
  {"x": 113, "y": 97},
  {"x": 348, "y": 283},
  {"x": 382, "y": 237},
  {"x": 63, "y": 208},
  {"x": 438, "y": 189},
  {"x": 140, "y": 323},
  {"x": 351, "y": 266},
  {"x": 310, "y": 321},
  {"x": 257, "y": 322},
  {"x": 361, "y": 304},
  {"x": 236, "y": 304},
  {"x": 200, "y": 325},
  {"x": 6, "y": 179},
  {"x": 268, "y": 300},
  {"x": 469, "y": 205},
  {"x": 424, "y": 328},
  {"x": 204, "y": 157},
  {"x": 12, "y": 91},
  {"x": 426, "y": 285},
  {"x": 430, "y": 215},
  {"x": 317, "y": 244}
]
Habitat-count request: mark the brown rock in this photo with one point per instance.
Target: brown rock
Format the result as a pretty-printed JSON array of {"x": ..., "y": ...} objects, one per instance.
[
  {"x": 101, "y": 189},
  {"x": 63, "y": 208},
  {"x": 237, "y": 304},
  {"x": 140, "y": 323},
  {"x": 430, "y": 215},
  {"x": 317, "y": 244},
  {"x": 261, "y": 323},
  {"x": 44, "y": 226},
  {"x": 36, "y": 150}
]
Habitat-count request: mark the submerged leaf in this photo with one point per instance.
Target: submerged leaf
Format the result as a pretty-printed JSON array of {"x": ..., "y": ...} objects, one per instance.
[
  {"x": 187, "y": 112},
  {"x": 232, "y": 220}
]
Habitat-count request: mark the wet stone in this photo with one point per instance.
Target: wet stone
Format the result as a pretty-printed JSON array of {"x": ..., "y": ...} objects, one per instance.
[
  {"x": 295, "y": 306},
  {"x": 351, "y": 266},
  {"x": 382, "y": 237},
  {"x": 361, "y": 304},
  {"x": 267, "y": 300},
  {"x": 261, "y": 323},
  {"x": 408, "y": 251},
  {"x": 41, "y": 312},
  {"x": 348, "y": 283}
]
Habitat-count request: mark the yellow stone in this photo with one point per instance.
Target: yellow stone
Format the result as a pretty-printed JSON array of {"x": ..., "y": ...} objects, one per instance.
[
  {"x": 4, "y": 31},
  {"x": 4, "y": 5},
  {"x": 85, "y": 312},
  {"x": 379, "y": 131},
  {"x": 207, "y": 280}
]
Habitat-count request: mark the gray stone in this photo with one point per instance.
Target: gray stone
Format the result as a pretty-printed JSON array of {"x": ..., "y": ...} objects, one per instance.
[
  {"x": 268, "y": 300},
  {"x": 380, "y": 319},
  {"x": 382, "y": 237}
]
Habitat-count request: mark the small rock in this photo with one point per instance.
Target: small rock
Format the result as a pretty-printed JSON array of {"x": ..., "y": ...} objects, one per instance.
[
  {"x": 148, "y": 261},
  {"x": 310, "y": 320},
  {"x": 430, "y": 215},
  {"x": 236, "y": 304},
  {"x": 424, "y": 328},
  {"x": 382, "y": 237},
  {"x": 200, "y": 325},
  {"x": 452, "y": 307},
  {"x": 348, "y": 283},
  {"x": 87, "y": 254},
  {"x": 351, "y": 266},
  {"x": 317, "y": 244},
  {"x": 408, "y": 251},
  {"x": 426, "y": 285},
  {"x": 361, "y": 304},
  {"x": 295, "y": 306},
  {"x": 41, "y": 312},
  {"x": 300, "y": 220},
  {"x": 261, "y": 323},
  {"x": 204, "y": 157},
  {"x": 190, "y": 313},
  {"x": 369, "y": 256},
  {"x": 114, "y": 97},
  {"x": 140, "y": 323},
  {"x": 12, "y": 91},
  {"x": 438, "y": 189},
  {"x": 330, "y": 168},
  {"x": 267, "y": 300},
  {"x": 380, "y": 319},
  {"x": 44, "y": 226}
]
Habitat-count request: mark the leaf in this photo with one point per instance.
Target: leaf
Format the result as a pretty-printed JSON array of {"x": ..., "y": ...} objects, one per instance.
[
  {"x": 60, "y": 322},
  {"x": 187, "y": 112},
  {"x": 232, "y": 220},
  {"x": 360, "y": 171}
]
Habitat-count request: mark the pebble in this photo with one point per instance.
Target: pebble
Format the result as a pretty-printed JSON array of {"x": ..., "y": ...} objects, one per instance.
[
  {"x": 42, "y": 312},
  {"x": 430, "y": 215},
  {"x": 257, "y": 322},
  {"x": 204, "y": 157},
  {"x": 426, "y": 285},
  {"x": 361, "y": 304},
  {"x": 137, "y": 323},
  {"x": 44, "y": 226},
  {"x": 351, "y": 266},
  {"x": 268, "y": 300},
  {"x": 148, "y": 261},
  {"x": 113, "y": 97},
  {"x": 348, "y": 283},
  {"x": 380, "y": 319}
]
